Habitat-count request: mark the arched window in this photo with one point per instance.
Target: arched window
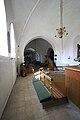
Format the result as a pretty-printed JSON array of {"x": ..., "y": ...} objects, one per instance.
[
  {"x": 13, "y": 54},
  {"x": 3, "y": 30}
]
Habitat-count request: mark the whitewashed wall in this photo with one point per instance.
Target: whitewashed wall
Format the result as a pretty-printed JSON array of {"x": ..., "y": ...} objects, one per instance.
[
  {"x": 7, "y": 66},
  {"x": 42, "y": 18},
  {"x": 38, "y": 19},
  {"x": 7, "y": 80}
]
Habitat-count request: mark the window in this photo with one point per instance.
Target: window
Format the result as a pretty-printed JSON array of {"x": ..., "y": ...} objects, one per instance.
[
  {"x": 13, "y": 54},
  {"x": 9, "y": 42},
  {"x": 3, "y": 30}
]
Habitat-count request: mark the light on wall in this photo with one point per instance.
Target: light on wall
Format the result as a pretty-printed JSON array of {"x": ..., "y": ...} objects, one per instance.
[
  {"x": 61, "y": 32},
  {"x": 3, "y": 30},
  {"x": 13, "y": 53}
]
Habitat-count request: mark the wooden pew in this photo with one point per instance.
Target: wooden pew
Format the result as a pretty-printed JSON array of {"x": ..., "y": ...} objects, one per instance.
[{"x": 49, "y": 83}]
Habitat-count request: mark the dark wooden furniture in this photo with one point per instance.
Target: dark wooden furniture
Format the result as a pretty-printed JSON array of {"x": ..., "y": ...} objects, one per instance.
[{"x": 72, "y": 83}]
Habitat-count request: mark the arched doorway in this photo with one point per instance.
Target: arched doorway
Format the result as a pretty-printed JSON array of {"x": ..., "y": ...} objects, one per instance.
[{"x": 36, "y": 50}]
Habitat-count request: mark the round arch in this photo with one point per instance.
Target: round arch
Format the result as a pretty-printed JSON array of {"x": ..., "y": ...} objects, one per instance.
[
  {"x": 40, "y": 47},
  {"x": 50, "y": 40}
]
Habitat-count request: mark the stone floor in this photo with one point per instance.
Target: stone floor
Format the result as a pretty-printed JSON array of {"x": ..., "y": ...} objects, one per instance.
[{"x": 23, "y": 104}]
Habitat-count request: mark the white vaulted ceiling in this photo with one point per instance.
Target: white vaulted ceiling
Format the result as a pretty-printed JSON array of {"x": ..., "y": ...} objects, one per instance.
[
  {"x": 21, "y": 11},
  {"x": 33, "y": 18},
  {"x": 43, "y": 15}
]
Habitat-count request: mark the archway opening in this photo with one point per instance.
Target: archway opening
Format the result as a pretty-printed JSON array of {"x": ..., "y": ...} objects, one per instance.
[{"x": 35, "y": 53}]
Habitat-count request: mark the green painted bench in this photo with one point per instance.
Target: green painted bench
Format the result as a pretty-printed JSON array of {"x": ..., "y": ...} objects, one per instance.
[{"x": 42, "y": 92}]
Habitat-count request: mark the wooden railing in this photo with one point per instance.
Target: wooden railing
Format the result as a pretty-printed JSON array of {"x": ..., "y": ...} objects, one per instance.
[
  {"x": 47, "y": 81},
  {"x": 49, "y": 84}
]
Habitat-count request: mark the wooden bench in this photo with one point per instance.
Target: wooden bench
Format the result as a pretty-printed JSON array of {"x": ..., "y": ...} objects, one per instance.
[
  {"x": 53, "y": 90},
  {"x": 42, "y": 92},
  {"x": 48, "y": 95}
]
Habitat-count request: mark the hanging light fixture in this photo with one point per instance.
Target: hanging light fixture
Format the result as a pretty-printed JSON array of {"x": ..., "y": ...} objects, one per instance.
[{"x": 61, "y": 32}]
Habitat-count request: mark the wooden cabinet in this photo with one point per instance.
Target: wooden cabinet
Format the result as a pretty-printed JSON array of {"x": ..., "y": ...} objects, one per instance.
[{"x": 72, "y": 83}]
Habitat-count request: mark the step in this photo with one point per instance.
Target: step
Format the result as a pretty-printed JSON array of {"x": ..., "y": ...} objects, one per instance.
[
  {"x": 56, "y": 93},
  {"x": 55, "y": 102}
]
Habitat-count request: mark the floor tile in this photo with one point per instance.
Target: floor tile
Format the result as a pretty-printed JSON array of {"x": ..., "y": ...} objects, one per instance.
[{"x": 24, "y": 104}]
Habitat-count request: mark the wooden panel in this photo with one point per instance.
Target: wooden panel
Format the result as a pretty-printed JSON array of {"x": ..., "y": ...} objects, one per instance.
[
  {"x": 59, "y": 82},
  {"x": 72, "y": 83}
]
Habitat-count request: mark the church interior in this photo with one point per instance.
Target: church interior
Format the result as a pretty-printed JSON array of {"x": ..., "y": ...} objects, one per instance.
[{"x": 39, "y": 60}]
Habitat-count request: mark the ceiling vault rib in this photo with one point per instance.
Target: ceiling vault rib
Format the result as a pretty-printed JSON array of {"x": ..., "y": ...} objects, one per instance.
[{"x": 26, "y": 23}]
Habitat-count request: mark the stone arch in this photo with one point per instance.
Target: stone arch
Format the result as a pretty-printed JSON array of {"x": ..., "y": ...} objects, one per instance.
[
  {"x": 40, "y": 47},
  {"x": 47, "y": 39},
  {"x": 50, "y": 40}
]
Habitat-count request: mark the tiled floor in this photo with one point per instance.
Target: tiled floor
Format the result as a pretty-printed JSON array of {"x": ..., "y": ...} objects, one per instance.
[{"x": 23, "y": 104}]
